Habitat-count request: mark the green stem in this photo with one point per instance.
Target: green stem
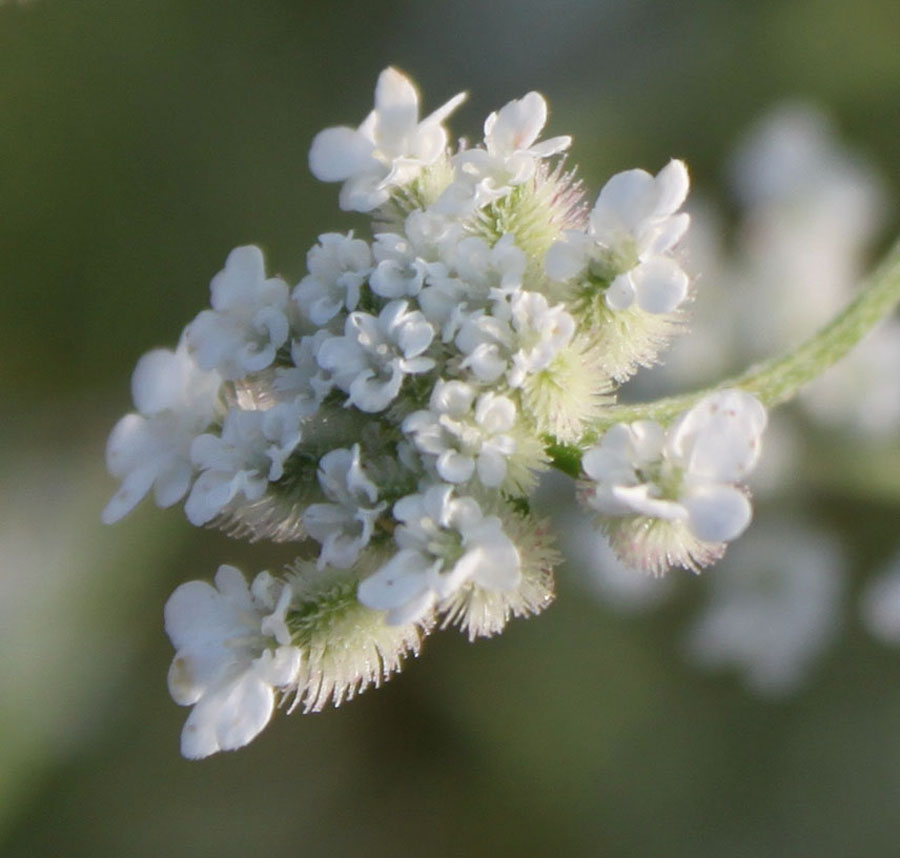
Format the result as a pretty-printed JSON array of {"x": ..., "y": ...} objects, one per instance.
[{"x": 773, "y": 381}]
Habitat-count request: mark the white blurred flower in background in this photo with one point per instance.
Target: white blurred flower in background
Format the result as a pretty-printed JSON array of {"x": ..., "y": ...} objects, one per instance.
[
  {"x": 879, "y": 603},
  {"x": 772, "y": 609}
]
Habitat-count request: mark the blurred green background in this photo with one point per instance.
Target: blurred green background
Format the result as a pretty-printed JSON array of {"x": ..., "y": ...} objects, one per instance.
[{"x": 140, "y": 140}]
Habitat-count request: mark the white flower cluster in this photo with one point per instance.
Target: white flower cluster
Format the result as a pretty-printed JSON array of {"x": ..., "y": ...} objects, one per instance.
[{"x": 397, "y": 404}]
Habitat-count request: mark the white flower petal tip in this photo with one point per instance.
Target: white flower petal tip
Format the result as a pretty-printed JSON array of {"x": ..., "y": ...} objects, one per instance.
[{"x": 672, "y": 184}]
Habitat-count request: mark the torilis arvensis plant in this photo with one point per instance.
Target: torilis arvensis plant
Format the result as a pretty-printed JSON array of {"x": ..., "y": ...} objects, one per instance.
[{"x": 397, "y": 406}]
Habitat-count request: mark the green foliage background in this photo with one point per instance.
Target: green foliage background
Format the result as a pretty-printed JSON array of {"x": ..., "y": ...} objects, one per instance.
[{"x": 140, "y": 140}]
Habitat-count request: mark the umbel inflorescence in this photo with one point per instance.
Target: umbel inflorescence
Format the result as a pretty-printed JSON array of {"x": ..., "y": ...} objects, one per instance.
[{"x": 395, "y": 408}]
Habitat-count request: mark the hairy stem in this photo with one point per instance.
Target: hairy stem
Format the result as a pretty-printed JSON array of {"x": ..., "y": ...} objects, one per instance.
[{"x": 773, "y": 381}]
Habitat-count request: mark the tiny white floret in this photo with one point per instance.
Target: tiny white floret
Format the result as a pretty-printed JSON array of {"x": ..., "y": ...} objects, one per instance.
[
  {"x": 632, "y": 231},
  {"x": 444, "y": 543},
  {"x": 387, "y": 151},
  {"x": 233, "y": 654},
  {"x": 248, "y": 321},
  {"x": 176, "y": 401}
]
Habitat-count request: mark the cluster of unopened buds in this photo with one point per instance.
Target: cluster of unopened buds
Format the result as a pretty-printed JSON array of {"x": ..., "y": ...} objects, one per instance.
[{"x": 395, "y": 409}]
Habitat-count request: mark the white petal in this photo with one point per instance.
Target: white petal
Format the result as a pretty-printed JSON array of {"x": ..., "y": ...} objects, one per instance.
[
  {"x": 452, "y": 397},
  {"x": 625, "y": 201},
  {"x": 245, "y": 264},
  {"x": 158, "y": 381},
  {"x": 493, "y": 561},
  {"x": 210, "y": 495},
  {"x": 396, "y": 107},
  {"x": 278, "y": 667},
  {"x": 647, "y": 439},
  {"x": 134, "y": 487},
  {"x": 717, "y": 513},
  {"x": 413, "y": 611},
  {"x": 403, "y": 578},
  {"x": 620, "y": 294},
  {"x": 551, "y": 147},
  {"x": 600, "y": 463},
  {"x": 439, "y": 115},
  {"x": 454, "y": 467},
  {"x": 517, "y": 124},
  {"x": 414, "y": 366},
  {"x": 495, "y": 413},
  {"x": 338, "y": 153},
  {"x": 365, "y": 191},
  {"x": 321, "y": 519},
  {"x": 663, "y": 237},
  {"x": 672, "y": 185},
  {"x": 491, "y": 468},
  {"x": 200, "y": 620},
  {"x": 567, "y": 258},
  {"x": 232, "y": 584},
  {"x": 128, "y": 444},
  {"x": 228, "y": 718},
  {"x": 372, "y": 394},
  {"x": 640, "y": 500},
  {"x": 173, "y": 483},
  {"x": 719, "y": 439},
  {"x": 659, "y": 284}
]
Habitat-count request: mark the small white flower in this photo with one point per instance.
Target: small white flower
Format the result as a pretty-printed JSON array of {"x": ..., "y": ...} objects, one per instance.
[
  {"x": 233, "y": 651},
  {"x": 444, "y": 301},
  {"x": 465, "y": 441},
  {"x": 520, "y": 337},
  {"x": 688, "y": 474},
  {"x": 492, "y": 271},
  {"x": 399, "y": 272},
  {"x": 387, "y": 151},
  {"x": 487, "y": 343},
  {"x": 344, "y": 526},
  {"x": 249, "y": 454},
  {"x": 375, "y": 354},
  {"x": 470, "y": 274},
  {"x": 338, "y": 265},
  {"x": 631, "y": 232},
  {"x": 509, "y": 158},
  {"x": 248, "y": 321},
  {"x": 176, "y": 401},
  {"x": 303, "y": 383},
  {"x": 430, "y": 234},
  {"x": 541, "y": 331},
  {"x": 444, "y": 543}
]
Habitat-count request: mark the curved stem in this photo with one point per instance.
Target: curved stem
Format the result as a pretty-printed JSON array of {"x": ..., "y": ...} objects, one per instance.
[{"x": 773, "y": 381}]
